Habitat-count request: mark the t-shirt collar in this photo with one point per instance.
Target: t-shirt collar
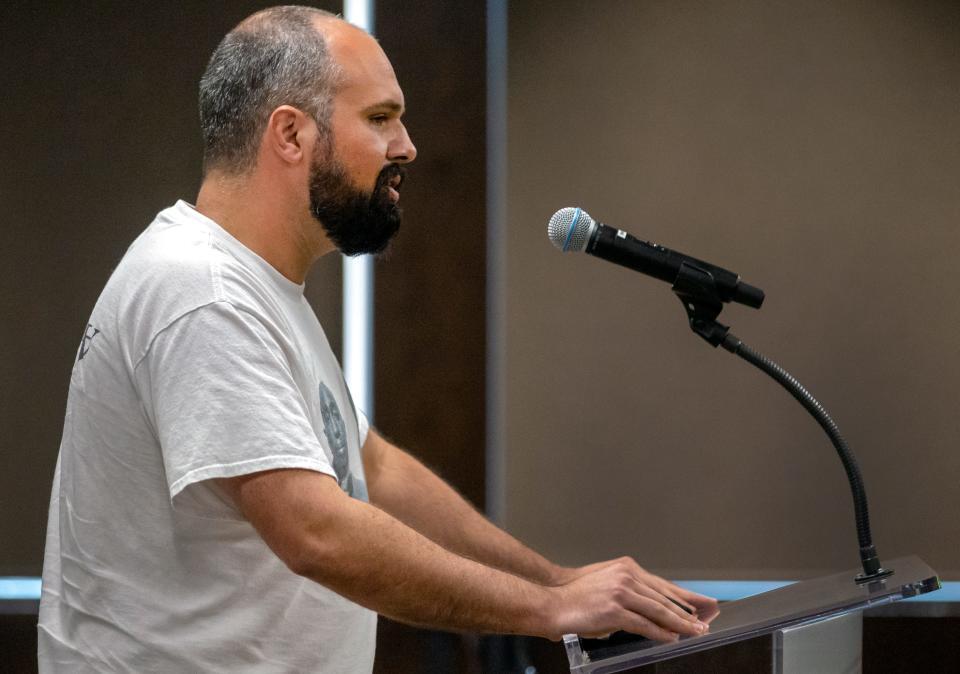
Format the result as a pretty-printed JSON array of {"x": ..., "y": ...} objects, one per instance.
[{"x": 239, "y": 249}]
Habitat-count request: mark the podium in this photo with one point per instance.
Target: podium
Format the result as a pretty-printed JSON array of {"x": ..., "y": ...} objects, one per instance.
[{"x": 816, "y": 625}]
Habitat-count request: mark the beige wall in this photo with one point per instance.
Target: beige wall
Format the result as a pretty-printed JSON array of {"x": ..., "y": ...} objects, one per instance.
[{"x": 812, "y": 147}]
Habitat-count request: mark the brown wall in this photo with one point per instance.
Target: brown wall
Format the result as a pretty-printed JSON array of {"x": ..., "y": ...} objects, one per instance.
[
  {"x": 812, "y": 147},
  {"x": 430, "y": 290}
]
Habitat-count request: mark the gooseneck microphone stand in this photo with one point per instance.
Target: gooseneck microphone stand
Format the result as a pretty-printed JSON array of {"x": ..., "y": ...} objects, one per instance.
[{"x": 697, "y": 291}]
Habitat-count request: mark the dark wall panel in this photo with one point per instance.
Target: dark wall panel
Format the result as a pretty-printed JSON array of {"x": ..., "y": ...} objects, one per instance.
[
  {"x": 100, "y": 133},
  {"x": 101, "y": 128},
  {"x": 430, "y": 291},
  {"x": 429, "y": 388}
]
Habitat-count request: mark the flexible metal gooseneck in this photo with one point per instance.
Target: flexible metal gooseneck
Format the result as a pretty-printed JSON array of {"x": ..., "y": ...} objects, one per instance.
[
  {"x": 872, "y": 569},
  {"x": 697, "y": 292}
]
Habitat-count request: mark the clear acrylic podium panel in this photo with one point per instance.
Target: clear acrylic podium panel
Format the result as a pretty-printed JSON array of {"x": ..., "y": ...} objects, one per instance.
[{"x": 802, "y": 603}]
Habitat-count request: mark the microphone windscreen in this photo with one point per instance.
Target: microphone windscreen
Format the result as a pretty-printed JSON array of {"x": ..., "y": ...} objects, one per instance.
[{"x": 570, "y": 228}]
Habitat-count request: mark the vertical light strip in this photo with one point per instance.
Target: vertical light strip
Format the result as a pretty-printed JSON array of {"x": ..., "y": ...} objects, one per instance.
[
  {"x": 358, "y": 281},
  {"x": 496, "y": 417}
]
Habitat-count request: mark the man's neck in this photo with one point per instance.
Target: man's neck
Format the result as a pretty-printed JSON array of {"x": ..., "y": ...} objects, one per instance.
[{"x": 261, "y": 218}]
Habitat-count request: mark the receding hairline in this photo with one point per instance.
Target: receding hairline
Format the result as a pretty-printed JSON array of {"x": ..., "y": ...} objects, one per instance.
[
  {"x": 332, "y": 28},
  {"x": 278, "y": 55},
  {"x": 326, "y": 23}
]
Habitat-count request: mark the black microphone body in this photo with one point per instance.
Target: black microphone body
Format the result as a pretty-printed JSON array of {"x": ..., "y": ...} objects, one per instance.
[{"x": 615, "y": 245}]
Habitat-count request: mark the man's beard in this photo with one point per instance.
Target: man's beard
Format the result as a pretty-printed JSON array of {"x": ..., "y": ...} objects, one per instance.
[{"x": 356, "y": 221}]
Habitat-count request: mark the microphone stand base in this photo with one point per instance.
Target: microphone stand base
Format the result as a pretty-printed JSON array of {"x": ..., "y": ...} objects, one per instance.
[{"x": 879, "y": 574}]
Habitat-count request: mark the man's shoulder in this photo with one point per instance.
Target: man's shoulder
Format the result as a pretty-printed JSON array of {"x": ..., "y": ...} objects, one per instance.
[
  {"x": 174, "y": 256},
  {"x": 170, "y": 270},
  {"x": 185, "y": 252},
  {"x": 180, "y": 263}
]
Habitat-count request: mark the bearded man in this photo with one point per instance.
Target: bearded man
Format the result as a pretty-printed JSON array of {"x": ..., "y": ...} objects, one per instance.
[{"x": 219, "y": 504}]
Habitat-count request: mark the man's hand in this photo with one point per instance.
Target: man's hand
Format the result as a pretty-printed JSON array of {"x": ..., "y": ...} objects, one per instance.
[
  {"x": 705, "y": 609},
  {"x": 619, "y": 595}
]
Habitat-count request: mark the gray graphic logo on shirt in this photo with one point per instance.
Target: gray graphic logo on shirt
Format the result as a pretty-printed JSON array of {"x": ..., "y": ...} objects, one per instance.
[
  {"x": 88, "y": 336},
  {"x": 335, "y": 431}
]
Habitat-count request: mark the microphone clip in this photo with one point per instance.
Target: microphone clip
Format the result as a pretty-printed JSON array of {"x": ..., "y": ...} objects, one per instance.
[{"x": 697, "y": 291}]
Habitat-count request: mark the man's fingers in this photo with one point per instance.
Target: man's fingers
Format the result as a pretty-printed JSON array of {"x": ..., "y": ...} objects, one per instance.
[
  {"x": 638, "y": 624},
  {"x": 669, "y": 591},
  {"x": 637, "y": 601},
  {"x": 655, "y": 586},
  {"x": 679, "y": 600},
  {"x": 707, "y": 607},
  {"x": 689, "y": 595},
  {"x": 697, "y": 603},
  {"x": 666, "y": 617},
  {"x": 664, "y": 600},
  {"x": 668, "y": 613},
  {"x": 661, "y": 585}
]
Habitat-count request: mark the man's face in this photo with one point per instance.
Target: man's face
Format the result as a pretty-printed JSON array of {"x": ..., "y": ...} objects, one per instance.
[
  {"x": 357, "y": 221},
  {"x": 356, "y": 172}
]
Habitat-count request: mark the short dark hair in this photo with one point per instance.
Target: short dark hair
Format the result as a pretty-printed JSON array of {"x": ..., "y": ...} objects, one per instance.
[{"x": 275, "y": 57}]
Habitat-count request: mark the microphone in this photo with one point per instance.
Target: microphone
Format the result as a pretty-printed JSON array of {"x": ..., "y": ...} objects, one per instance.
[
  {"x": 572, "y": 229},
  {"x": 702, "y": 287}
]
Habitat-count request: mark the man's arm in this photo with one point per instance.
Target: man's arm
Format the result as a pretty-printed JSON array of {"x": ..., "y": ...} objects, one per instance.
[
  {"x": 402, "y": 486},
  {"x": 405, "y": 488},
  {"x": 364, "y": 554}
]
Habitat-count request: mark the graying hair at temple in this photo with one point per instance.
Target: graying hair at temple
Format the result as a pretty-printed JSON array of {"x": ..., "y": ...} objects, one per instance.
[{"x": 274, "y": 58}]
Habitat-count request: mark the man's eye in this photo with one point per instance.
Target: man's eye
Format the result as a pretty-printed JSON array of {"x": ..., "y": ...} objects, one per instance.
[{"x": 379, "y": 119}]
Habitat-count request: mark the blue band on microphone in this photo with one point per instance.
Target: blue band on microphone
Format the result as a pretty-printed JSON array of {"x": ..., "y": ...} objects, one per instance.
[{"x": 573, "y": 223}]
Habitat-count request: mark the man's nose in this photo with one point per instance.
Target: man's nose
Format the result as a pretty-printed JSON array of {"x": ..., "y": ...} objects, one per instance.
[{"x": 402, "y": 150}]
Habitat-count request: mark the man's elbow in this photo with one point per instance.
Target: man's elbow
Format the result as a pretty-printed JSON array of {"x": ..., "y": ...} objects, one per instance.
[
  {"x": 319, "y": 549},
  {"x": 302, "y": 516},
  {"x": 306, "y": 559}
]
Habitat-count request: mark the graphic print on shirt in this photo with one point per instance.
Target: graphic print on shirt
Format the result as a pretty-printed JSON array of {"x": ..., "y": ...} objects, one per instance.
[
  {"x": 88, "y": 336},
  {"x": 335, "y": 431}
]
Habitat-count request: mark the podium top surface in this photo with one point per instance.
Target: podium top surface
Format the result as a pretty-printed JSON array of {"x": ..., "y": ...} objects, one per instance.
[{"x": 797, "y": 604}]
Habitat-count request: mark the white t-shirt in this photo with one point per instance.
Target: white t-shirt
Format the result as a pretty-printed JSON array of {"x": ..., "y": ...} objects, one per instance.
[{"x": 200, "y": 360}]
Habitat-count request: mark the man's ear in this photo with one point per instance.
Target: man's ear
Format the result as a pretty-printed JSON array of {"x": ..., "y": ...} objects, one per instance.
[{"x": 288, "y": 133}]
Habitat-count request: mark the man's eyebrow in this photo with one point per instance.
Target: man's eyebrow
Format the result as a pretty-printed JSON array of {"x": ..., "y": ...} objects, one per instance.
[{"x": 388, "y": 104}]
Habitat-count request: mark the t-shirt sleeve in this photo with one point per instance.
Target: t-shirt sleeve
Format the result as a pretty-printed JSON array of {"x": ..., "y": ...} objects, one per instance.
[
  {"x": 364, "y": 425},
  {"x": 223, "y": 400}
]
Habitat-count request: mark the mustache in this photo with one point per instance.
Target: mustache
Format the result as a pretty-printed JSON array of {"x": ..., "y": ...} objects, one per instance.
[{"x": 390, "y": 172}]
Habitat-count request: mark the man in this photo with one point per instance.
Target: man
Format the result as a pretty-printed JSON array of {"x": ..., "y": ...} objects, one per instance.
[{"x": 219, "y": 505}]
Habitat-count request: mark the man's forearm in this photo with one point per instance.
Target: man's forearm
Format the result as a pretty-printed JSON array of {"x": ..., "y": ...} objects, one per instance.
[
  {"x": 405, "y": 488},
  {"x": 366, "y": 555},
  {"x": 401, "y": 574}
]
